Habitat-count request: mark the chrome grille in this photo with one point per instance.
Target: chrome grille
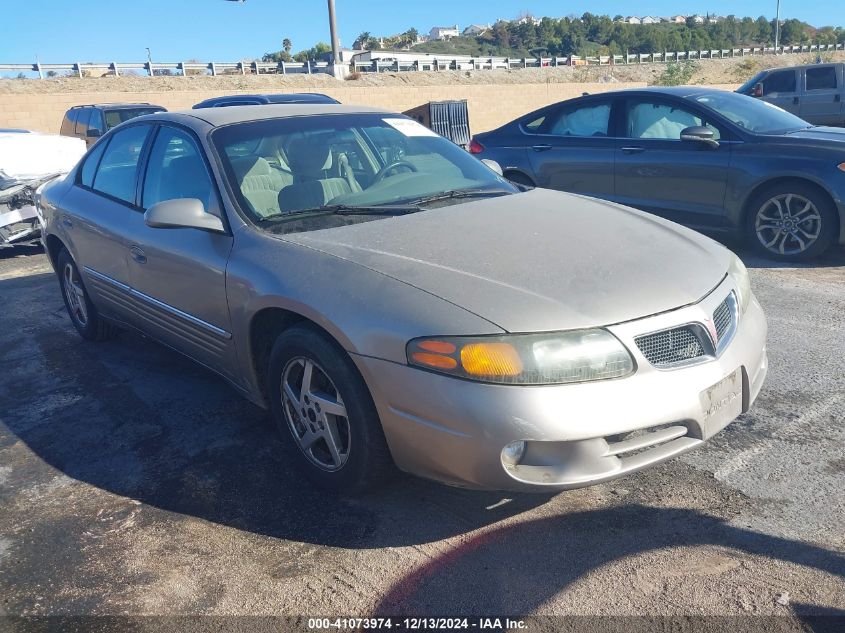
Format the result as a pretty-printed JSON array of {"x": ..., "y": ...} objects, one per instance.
[
  {"x": 671, "y": 347},
  {"x": 722, "y": 318}
]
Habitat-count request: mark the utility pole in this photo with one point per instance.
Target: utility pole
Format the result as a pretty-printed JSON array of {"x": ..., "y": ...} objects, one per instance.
[
  {"x": 777, "y": 26},
  {"x": 333, "y": 29}
]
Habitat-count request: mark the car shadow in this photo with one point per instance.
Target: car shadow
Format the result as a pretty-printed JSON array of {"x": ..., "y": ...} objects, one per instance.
[
  {"x": 136, "y": 419},
  {"x": 834, "y": 257},
  {"x": 518, "y": 567}
]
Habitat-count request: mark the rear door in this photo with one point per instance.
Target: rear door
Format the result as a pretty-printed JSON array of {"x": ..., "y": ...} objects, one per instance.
[
  {"x": 781, "y": 88},
  {"x": 821, "y": 102},
  {"x": 656, "y": 171},
  {"x": 179, "y": 275},
  {"x": 572, "y": 150}
]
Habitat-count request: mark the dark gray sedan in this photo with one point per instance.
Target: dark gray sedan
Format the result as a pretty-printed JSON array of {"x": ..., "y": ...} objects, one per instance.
[{"x": 713, "y": 160}]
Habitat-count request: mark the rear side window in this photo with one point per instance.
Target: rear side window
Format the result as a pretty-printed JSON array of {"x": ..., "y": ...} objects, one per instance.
[
  {"x": 83, "y": 115},
  {"x": 591, "y": 120},
  {"x": 780, "y": 82},
  {"x": 89, "y": 168},
  {"x": 823, "y": 78},
  {"x": 69, "y": 123},
  {"x": 176, "y": 170},
  {"x": 116, "y": 117},
  {"x": 117, "y": 173},
  {"x": 533, "y": 125}
]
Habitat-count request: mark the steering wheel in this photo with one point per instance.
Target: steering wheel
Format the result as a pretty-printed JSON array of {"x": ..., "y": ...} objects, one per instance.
[{"x": 385, "y": 171}]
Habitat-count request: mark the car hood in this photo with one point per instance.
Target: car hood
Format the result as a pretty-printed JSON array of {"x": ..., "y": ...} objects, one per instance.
[
  {"x": 537, "y": 261},
  {"x": 819, "y": 133}
]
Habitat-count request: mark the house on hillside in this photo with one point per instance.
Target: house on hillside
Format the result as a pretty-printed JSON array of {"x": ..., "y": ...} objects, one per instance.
[
  {"x": 714, "y": 19},
  {"x": 476, "y": 29},
  {"x": 678, "y": 19},
  {"x": 650, "y": 20},
  {"x": 697, "y": 19},
  {"x": 632, "y": 19},
  {"x": 443, "y": 33}
]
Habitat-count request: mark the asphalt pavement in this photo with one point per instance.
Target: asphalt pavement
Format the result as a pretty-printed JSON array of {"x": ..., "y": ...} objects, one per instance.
[{"x": 132, "y": 481}]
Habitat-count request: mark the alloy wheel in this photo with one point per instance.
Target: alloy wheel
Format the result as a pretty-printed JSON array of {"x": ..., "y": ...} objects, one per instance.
[
  {"x": 315, "y": 414},
  {"x": 788, "y": 224},
  {"x": 75, "y": 295}
]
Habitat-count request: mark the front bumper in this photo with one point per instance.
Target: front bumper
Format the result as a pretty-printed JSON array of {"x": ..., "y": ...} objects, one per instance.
[{"x": 453, "y": 430}]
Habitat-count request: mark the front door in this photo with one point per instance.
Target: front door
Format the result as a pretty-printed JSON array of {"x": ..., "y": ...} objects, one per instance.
[
  {"x": 179, "y": 275},
  {"x": 656, "y": 171},
  {"x": 572, "y": 150},
  {"x": 821, "y": 103},
  {"x": 781, "y": 89}
]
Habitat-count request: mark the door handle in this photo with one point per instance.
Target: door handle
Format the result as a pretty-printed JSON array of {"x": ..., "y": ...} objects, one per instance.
[
  {"x": 541, "y": 148},
  {"x": 795, "y": 100},
  {"x": 837, "y": 99},
  {"x": 67, "y": 222},
  {"x": 138, "y": 255},
  {"x": 633, "y": 150}
]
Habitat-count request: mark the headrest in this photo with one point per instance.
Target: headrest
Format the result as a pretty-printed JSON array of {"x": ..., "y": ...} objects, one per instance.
[
  {"x": 308, "y": 155},
  {"x": 244, "y": 166}
]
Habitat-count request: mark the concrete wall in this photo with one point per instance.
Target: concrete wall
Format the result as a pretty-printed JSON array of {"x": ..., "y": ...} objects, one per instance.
[{"x": 489, "y": 105}]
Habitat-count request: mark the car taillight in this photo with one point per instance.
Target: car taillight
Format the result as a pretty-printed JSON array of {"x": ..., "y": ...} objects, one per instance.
[{"x": 475, "y": 147}]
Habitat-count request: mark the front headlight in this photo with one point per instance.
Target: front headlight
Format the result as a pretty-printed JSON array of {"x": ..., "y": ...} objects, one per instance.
[
  {"x": 739, "y": 273},
  {"x": 525, "y": 359}
]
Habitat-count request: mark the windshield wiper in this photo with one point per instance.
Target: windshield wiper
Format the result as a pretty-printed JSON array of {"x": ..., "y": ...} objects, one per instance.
[
  {"x": 461, "y": 193},
  {"x": 347, "y": 209}
]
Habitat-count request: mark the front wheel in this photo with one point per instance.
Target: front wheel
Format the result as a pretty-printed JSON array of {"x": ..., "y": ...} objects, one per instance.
[
  {"x": 791, "y": 222},
  {"x": 325, "y": 414}
]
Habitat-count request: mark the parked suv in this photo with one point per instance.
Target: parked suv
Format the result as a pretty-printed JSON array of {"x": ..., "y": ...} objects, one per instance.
[
  {"x": 291, "y": 97},
  {"x": 89, "y": 122},
  {"x": 816, "y": 92}
]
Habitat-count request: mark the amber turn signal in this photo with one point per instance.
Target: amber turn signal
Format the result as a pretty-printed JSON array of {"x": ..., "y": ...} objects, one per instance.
[{"x": 491, "y": 359}]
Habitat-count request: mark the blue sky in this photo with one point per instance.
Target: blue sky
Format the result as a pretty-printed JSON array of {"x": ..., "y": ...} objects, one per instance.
[{"x": 215, "y": 30}]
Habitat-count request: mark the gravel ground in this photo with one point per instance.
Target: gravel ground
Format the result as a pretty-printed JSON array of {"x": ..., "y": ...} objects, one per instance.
[
  {"x": 718, "y": 71},
  {"x": 134, "y": 482}
]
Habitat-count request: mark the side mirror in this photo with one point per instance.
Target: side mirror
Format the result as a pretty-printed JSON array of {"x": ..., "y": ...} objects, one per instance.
[
  {"x": 93, "y": 133},
  {"x": 492, "y": 164},
  {"x": 700, "y": 134},
  {"x": 182, "y": 213},
  {"x": 758, "y": 90}
]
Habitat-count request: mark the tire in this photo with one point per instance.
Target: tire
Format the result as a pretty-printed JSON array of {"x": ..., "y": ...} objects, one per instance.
[
  {"x": 801, "y": 240},
  {"x": 520, "y": 179},
  {"x": 308, "y": 419},
  {"x": 82, "y": 312}
]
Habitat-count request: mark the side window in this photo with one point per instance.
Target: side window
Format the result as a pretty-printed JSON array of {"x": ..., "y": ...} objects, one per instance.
[
  {"x": 780, "y": 82},
  {"x": 823, "y": 78},
  {"x": 118, "y": 169},
  {"x": 89, "y": 168},
  {"x": 533, "y": 126},
  {"x": 662, "y": 121},
  {"x": 591, "y": 120},
  {"x": 176, "y": 170},
  {"x": 83, "y": 115},
  {"x": 69, "y": 122},
  {"x": 96, "y": 121}
]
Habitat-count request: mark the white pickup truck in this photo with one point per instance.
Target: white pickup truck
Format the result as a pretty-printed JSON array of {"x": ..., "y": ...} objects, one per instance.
[{"x": 27, "y": 161}]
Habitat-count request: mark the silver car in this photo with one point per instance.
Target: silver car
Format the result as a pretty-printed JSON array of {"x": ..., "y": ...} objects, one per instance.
[{"x": 395, "y": 302}]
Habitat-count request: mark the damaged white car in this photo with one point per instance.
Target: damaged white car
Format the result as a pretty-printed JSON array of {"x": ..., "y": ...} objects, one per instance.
[{"x": 28, "y": 160}]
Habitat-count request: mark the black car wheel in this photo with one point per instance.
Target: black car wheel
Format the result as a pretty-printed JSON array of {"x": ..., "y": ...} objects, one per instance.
[
  {"x": 791, "y": 222},
  {"x": 324, "y": 411},
  {"x": 81, "y": 310}
]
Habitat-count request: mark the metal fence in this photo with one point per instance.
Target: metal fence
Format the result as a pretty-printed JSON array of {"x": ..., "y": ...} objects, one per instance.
[
  {"x": 84, "y": 69},
  {"x": 151, "y": 69}
]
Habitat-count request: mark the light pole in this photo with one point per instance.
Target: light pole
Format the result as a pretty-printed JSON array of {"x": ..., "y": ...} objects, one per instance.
[
  {"x": 332, "y": 29},
  {"x": 777, "y": 26}
]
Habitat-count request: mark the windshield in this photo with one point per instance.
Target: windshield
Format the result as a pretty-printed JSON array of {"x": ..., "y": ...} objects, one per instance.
[
  {"x": 345, "y": 168},
  {"x": 752, "y": 114},
  {"x": 116, "y": 117}
]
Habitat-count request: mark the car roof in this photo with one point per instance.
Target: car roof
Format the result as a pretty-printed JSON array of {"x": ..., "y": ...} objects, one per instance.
[
  {"x": 284, "y": 97},
  {"x": 237, "y": 114}
]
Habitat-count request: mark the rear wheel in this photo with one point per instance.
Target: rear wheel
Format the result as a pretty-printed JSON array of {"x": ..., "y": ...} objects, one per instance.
[
  {"x": 791, "y": 222},
  {"x": 80, "y": 309},
  {"x": 325, "y": 414}
]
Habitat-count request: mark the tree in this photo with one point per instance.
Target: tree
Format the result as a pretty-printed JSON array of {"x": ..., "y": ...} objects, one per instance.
[
  {"x": 363, "y": 40},
  {"x": 287, "y": 45}
]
